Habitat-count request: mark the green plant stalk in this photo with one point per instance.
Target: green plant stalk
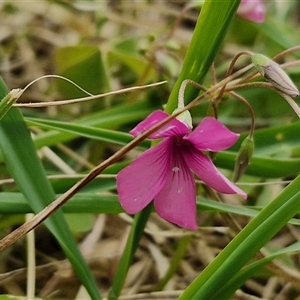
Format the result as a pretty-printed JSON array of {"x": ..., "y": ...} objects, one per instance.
[
  {"x": 136, "y": 232},
  {"x": 208, "y": 36},
  {"x": 237, "y": 280},
  {"x": 26, "y": 168},
  {"x": 244, "y": 246},
  {"x": 209, "y": 33},
  {"x": 175, "y": 261}
]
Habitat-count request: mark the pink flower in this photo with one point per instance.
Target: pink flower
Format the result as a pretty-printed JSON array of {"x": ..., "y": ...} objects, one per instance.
[
  {"x": 253, "y": 10},
  {"x": 163, "y": 173}
]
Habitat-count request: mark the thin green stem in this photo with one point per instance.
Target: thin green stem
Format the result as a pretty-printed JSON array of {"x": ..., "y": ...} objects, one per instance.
[
  {"x": 286, "y": 52},
  {"x": 136, "y": 232},
  {"x": 175, "y": 261},
  {"x": 245, "y": 102}
]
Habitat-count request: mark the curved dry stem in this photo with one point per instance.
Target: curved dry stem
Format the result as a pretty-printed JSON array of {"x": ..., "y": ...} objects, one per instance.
[
  {"x": 256, "y": 84},
  {"x": 236, "y": 57},
  {"x": 59, "y": 77},
  {"x": 179, "y": 19},
  {"x": 289, "y": 99},
  {"x": 89, "y": 98},
  {"x": 286, "y": 52},
  {"x": 229, "y": 72}
]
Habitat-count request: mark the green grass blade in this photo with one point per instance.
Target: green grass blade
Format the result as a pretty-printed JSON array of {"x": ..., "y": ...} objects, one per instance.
[
  {"x": 25, "y": 167},
  {"x": 175, "y": 262},
  {"x": 15, "y": 203},
  {"x": 136, "y": 232},
  {"x": 238, "y": 252},
  {"x": 89, "y": 202},
  {"x": 267, "y": 167},
  {"x": 101, "y": 134},
  {"x": 237, "y": 280},
  {"x": 108, "y": 118},
  {"x": 209, "y": 33}
]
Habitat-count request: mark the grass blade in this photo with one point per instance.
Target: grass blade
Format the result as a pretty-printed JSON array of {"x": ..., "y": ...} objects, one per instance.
[
  {"x": 238, "y": 252},
  {"x": 25, "y": 167}
]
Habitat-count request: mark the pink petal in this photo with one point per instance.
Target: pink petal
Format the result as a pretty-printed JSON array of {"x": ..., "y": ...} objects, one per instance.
[
  {"x": 253, "y": 10},
  {"x": 172, "y": 128},
  {"x": 176, "y": 202},
  {"x": 209, "y": 174},
  {"x": 211, "y": 135},
  {"x": 142, "y": 180}
]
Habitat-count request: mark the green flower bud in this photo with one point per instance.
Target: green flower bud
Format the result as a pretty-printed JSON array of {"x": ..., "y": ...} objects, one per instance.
[
  {"x": 243, "y": 158},
  {"x": 184, "y": 117},
  {"x": 274, "y": 74}
]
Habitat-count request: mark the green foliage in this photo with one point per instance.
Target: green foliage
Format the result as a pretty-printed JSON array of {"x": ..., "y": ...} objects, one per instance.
[
  {"x": 82, "y": 64},
  {"x": 25, "y": 167}
]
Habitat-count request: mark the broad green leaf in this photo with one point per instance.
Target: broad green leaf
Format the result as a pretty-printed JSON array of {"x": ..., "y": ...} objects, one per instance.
[
  {"x": 273, "y": 140},
  {"x": 268, "y": 142},
  {"x": 137, "y": 64},
  {"x": 82, "y": 64},
  {"x": 126, "y": 53},
  {"x": 80, "y": 222},
  {"x": 95, "y": 202}
]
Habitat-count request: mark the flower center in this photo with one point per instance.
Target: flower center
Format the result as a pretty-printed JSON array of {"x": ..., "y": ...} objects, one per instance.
[{"x": 179, "y": 141}]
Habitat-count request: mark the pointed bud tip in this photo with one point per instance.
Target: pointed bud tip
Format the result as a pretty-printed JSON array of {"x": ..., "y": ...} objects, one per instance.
[
  {"x": 184, "y": 117},
  {"x": 274, "y": 74},
  {"x": 243, "y": 158}
]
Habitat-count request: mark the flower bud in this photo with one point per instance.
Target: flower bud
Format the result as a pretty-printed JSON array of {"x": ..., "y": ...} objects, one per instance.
[
  {"x": 243, "y": 158},
  {"x": 184, "y": 117},
  {"x": 274, "y": 74},
  {"x": 254, "y": 11}
]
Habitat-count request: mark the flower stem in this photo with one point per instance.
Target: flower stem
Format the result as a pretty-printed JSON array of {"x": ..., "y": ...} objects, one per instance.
[
  {"x": 134, "y": 237},
  {"x": 183, "y": 88},
  {"x": 287, "y": 51},
  {"x": 244, "y": 101}
]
